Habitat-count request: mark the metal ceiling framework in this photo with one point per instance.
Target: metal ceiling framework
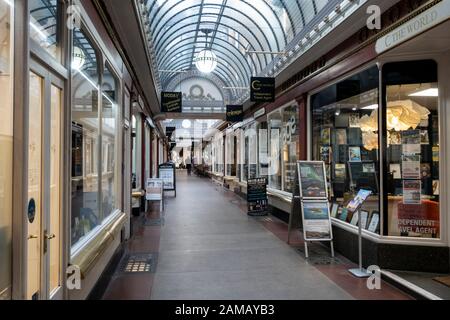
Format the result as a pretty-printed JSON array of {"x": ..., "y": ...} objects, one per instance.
[{"x": 175, "y": 31}]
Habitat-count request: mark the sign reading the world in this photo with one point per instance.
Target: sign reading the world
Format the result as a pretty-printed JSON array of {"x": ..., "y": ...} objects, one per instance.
[
  {"x": 235, "y": 113},
  {"x": 262, "y": 89},
  {"x": 171, "y": 102}
]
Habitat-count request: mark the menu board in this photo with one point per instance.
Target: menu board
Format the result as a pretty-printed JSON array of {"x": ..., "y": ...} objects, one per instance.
[
  {"x": 317, "y": 221},
  {"x": 167, "y": 174},
  {"x": 257, "y": 200},
  {"x": 312, "y": 179}
]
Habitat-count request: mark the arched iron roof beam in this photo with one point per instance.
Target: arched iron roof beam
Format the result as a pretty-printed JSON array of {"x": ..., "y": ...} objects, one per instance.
[
  {"x": 223, "y": 6},
  {"x": 158, "y": 39},
  {"x": 164, "y": 63},
  {"x": 237, "y": 69},
  {"x": 221, "y": 32},
  {"x": 160, "y": 45}
]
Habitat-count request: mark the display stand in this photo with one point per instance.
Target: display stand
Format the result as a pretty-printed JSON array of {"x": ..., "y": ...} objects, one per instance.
[
  {"x": 155, "y": 192},
  {"x": 359, "y": 272},
  {"x": 311, "y": 199},
  {"x": 167, "y": 172}
]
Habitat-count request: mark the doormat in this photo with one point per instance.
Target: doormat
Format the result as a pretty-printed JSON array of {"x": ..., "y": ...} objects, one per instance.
[
  {"x": 139, "y": 263},
  {"x": 154, "y": 222},
  {"x": 443, "y": 280}
]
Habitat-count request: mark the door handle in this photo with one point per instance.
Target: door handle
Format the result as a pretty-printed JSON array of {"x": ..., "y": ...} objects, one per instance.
[
  {"x": 32, "y": 236},
  {"x": 50, "y": 236}
]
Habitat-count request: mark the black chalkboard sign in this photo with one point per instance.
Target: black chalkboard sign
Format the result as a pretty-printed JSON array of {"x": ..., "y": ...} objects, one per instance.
[{"x": 257, "y": 200}]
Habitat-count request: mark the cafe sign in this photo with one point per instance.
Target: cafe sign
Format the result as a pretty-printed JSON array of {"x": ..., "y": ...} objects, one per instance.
[
  {"x": 235, "y": 113},
  {"x": 419, "y": 24}
]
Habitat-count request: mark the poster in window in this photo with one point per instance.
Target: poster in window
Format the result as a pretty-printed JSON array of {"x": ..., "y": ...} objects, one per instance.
[
  {"x": 316, "y": 221},
  {"x": 411, "y": 137},
  {"x": 326, "y": 136},
  {"x": 412, "y": 191},
  {"x": 325, "y": 153},
  {"x": 424, "y": 137},
  {"x": 340, "y": 172},
  {"x": 312, "y": 179},
  {"x": 396, "y": 171},
  {"x": 341, "y": 136},
  {"x": 374, "y": 222},
  {"x": 354, "y": 154},
  {"x": 411, "y": 167},
  {"x": 394, "y": 138},
  {"x": 425, "y": 170},
  {"x": 369, "y": 167},
  {"x": 435, "y": 187},
  {"x": 354, "y": 120},
  {"x": 436, "y": 154}
]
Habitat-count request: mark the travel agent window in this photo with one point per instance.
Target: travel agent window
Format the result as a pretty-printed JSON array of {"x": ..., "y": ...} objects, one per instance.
[
  {"x": 45, "y": 25},
  {"x": 345, "y": 136},
  {"x": 411, "y": 141},
  {"x": 283, "y": 142},
  {"x": 6, "y": 146}
]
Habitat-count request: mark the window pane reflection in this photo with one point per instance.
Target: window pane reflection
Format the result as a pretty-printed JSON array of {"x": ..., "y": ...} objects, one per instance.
[{"x": 85, "y": 138}]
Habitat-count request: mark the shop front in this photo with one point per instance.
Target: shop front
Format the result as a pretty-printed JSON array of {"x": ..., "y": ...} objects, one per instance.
[{"x": 383, "y": 128}]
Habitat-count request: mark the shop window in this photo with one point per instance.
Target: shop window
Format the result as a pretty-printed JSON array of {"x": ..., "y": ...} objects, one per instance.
[
  {"x": 251, "y": 152},
  {"x": 44, "y": 25},
  {"x": 283, "y": 146},
  {"x": 136, "y": 154},
  {"x": 345, "y": 137},
  {"x": 411, "y": 140},
  {"x": 6, "y": 147},
  {"x": 85, "y": 139},
  {"x": 230, "y": 155},
  {"x": 263, "y": 152},
  {"x": 238, "y": 153},
  {"x": 110, "y": 141}
]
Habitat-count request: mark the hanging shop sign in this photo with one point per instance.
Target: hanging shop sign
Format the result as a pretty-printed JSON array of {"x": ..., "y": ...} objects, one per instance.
[
  {"x": 235, "y": 113},
  {"x": 257, "y": 200},
  {"x": 417, "y": 25},
  {"x": 166, "y": 172},
  {"x": 171, "y": 102},
  {"x": 262, "y": 89}
]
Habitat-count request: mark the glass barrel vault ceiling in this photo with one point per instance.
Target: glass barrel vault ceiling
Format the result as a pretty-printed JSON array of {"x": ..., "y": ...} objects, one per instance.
[{"x": 176, "y": 30}]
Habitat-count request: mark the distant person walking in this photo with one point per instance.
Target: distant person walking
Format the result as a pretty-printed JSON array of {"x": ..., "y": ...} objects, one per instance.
[{"x": 189, "y": 165}]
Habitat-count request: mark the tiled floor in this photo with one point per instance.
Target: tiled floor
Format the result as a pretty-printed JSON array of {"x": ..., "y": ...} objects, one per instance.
[{"x": 208, "y": 248}]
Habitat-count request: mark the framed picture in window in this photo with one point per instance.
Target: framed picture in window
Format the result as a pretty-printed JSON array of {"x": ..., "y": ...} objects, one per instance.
[{"x": 374, "y": 224}]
